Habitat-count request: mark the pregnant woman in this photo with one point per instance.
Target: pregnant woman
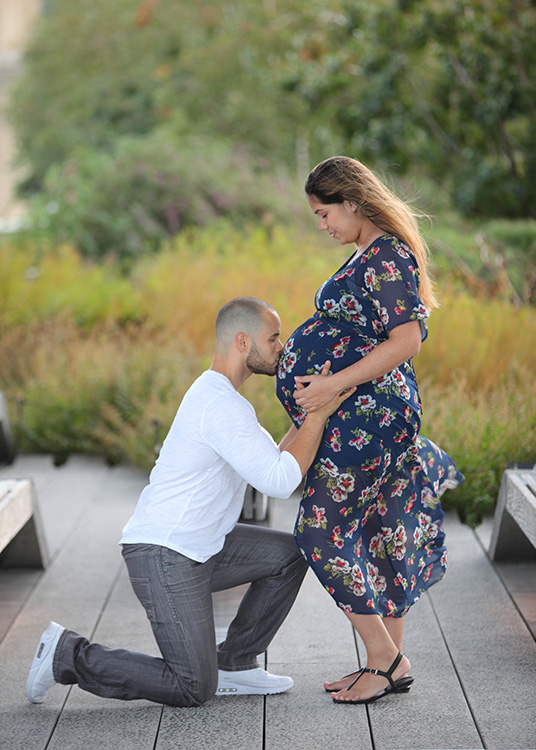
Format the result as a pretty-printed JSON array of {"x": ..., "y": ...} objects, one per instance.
[{"x": 370, "y": 520}]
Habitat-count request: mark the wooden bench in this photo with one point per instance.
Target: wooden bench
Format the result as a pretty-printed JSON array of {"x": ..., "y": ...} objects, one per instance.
[
  {"x": 22, "y": 543},
  {"x": 514, "y": 525}
]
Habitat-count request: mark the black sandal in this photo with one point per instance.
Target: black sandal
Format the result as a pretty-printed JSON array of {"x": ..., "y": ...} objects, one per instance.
[
  {"x": 395, "y": 686},
  {"x": 358, "y": 673},
  {"x": 402, "y": 685}
]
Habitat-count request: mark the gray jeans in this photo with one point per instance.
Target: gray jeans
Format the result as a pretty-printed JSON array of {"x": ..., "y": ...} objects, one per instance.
[{"x": 176, "y": 593}]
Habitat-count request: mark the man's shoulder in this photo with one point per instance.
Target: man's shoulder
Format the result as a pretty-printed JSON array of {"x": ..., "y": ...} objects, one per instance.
[
  {"x": 213, "y": 393},
  {"x": 211, "y": 385}
]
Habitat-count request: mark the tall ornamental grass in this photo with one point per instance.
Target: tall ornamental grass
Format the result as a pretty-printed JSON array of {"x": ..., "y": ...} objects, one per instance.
[{"x": 94, "y": 361}]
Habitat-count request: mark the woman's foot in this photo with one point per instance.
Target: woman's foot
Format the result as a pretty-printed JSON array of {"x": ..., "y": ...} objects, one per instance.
[
  {"x": 368, "y": 685},
  {"x": 341, "y": 684},
  {"x": 345, "y": 682}
]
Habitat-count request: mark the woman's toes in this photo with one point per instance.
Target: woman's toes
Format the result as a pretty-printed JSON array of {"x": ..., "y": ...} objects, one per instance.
[
  {"x": 333, "y": 685},
  {"x": 341, "y": 696}
]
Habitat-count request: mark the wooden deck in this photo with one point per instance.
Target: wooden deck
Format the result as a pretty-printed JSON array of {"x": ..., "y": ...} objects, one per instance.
[{"x": 471, "y": 641}]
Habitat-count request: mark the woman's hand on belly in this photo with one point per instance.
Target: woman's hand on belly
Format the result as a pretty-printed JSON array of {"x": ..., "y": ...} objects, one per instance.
[{"x": 314, "y": 391}]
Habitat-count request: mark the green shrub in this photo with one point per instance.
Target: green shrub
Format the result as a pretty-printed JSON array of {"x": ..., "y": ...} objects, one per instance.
[
  {"x": 513, "y": 247},
  {"x": 106, "y": 393},
  {"x": 93, "y": 361},
  {"x": 124, "y": 202},
  {"x": 36, "y": 286},
  {"x": 483, "y": 432}
]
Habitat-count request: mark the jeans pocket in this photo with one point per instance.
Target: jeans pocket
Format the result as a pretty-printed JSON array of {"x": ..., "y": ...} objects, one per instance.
[{"x": 142, "y": 589}]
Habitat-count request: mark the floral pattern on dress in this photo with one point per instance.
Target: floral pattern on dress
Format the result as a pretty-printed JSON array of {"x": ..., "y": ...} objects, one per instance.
[{"x": 370, "y": 519}]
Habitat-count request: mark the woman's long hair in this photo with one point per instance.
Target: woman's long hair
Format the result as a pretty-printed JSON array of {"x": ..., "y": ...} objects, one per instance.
[{"x": 341, "y": 178}]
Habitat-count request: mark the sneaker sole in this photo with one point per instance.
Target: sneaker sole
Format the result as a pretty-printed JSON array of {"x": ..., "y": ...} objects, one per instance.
[{"x": 234, "y": 689}]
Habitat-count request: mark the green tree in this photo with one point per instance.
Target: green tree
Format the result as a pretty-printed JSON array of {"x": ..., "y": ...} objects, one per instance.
[
  {"x": 445, "y": 87},
  {"x": 125, "y": 202},
  {"x": 95, "y": 72},
  {"x": 134, "y": 121},
  {"x": 451, "y": 86}
]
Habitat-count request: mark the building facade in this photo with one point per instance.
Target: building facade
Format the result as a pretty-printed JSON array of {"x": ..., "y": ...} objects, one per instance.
[{"x": 17, "y": 18}]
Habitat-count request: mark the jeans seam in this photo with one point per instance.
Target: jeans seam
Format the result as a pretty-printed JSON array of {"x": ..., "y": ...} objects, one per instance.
[{"x": 169, "y": 598}]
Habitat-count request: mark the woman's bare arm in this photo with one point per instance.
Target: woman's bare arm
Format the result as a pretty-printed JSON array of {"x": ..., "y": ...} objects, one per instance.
[{"x": 403, "y": 343}]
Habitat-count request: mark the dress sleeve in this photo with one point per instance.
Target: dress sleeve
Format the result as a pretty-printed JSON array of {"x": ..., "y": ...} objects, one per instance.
[{"x": 391, "y": 280}]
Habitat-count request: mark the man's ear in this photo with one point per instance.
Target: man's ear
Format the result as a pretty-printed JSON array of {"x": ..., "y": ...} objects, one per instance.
[{"x": 241, "y": 341}]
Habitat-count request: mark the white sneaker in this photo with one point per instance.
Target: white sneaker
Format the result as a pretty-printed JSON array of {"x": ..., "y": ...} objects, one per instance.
[
  {"x": 41, "y": 676},
  {"x": 251, "y": 682}
]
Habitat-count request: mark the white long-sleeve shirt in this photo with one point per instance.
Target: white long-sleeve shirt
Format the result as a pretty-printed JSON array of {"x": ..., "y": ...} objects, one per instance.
[{"x": 215, "y": 447}]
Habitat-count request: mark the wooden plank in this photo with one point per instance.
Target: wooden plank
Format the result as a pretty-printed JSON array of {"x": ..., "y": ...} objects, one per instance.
[
  {"x": 67, "y": 493},
  {"x": 73, "y": 591},
  {"x": 519, "y": 577},
  {"x": 64, "y": 494},
  {"x": 234, "y": 723},
  {"x": 38, "y": 467},
  {"x": 110, "y": 723},
  {"x": 493, "y": 650},
  {"x": 316, "y": 643},
  {"x": 469, "y": 612},
  {"x": 434, "y": 713},
  {"x": 16, "y": 585}
]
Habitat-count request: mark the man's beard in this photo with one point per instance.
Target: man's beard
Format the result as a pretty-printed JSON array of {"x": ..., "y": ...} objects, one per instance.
[{"x": 258, "y": 365}]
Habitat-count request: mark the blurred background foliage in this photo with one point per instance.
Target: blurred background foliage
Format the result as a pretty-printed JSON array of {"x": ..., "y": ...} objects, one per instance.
[
  {"x": 163, "y": 148},
  {"x": 162, "y": 99},
  {"x": 97, "y": 362}
]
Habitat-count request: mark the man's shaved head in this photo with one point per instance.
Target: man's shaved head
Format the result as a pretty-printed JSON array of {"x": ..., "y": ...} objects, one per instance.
[{"x": 240, "y": 315}]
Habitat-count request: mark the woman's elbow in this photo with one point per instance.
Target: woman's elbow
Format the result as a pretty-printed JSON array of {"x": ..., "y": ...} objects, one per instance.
[
  {"x": 416, "y": 346},
  {"x": 407, "y": 338}
]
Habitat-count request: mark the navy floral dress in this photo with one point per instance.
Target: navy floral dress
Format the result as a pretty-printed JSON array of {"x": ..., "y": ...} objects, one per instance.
[{"x": 370, "y": 520}]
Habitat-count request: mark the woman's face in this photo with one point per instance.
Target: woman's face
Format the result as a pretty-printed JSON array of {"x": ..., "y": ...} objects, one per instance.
[{"x": 341, "y": 220}]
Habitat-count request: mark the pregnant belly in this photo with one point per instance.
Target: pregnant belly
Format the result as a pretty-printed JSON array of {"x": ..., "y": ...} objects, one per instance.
[{"x": 306, "y": 351}]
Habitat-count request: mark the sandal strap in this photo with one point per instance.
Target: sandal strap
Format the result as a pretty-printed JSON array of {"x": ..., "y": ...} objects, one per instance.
[
  {"x": 359, "y": 674},
  {"x": 389, "y": 674},
  {"x": 351, "y": 674}
]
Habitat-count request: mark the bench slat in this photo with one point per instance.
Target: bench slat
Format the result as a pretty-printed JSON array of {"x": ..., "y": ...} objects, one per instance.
[
  {"x": 530, "y": 480},
  {"x": 521, "y": 503},
  {"x": 6, "y": 485},
  {"x": 15, "y": 510}
]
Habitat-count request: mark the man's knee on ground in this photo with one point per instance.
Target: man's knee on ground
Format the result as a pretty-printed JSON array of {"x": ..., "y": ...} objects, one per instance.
[{"x": 191, "y": 696}]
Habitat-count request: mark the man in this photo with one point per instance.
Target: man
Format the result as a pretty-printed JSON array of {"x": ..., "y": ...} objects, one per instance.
[{"x": 183, "y": 541}]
